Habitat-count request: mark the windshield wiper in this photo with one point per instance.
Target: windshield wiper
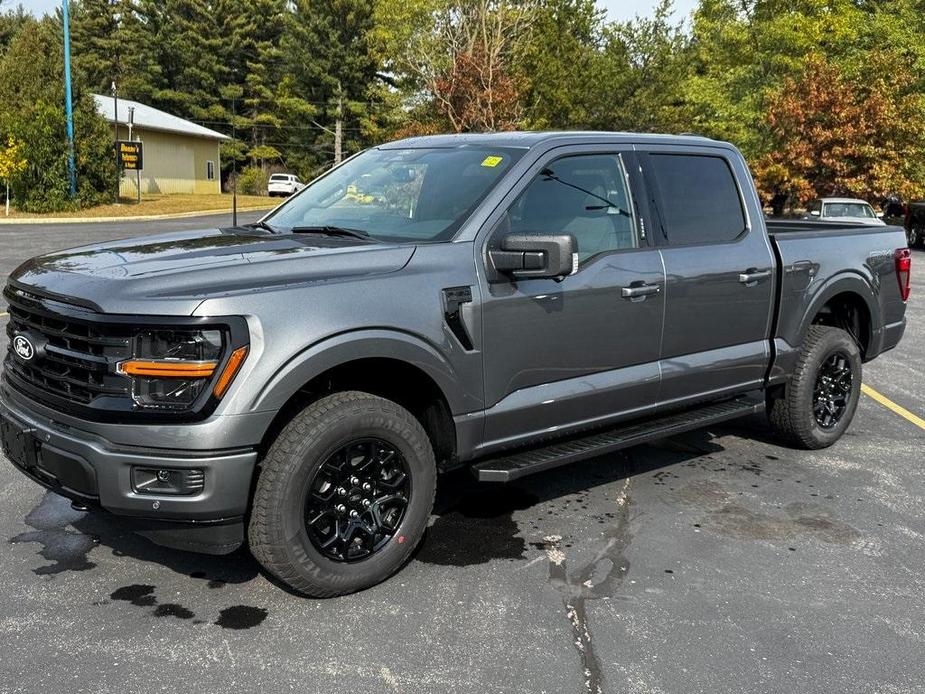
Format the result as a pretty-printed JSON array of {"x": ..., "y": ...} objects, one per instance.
[
  {"x": 329, "y": 230},
  {"x": 261, "y": 225}
]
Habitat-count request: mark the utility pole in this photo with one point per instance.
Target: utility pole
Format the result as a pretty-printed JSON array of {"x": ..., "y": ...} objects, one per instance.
[
  {"x": 131, "y": 122},
  {"x": 339, "y": 129},
  {"x": 68, "y": 106},
  {"x": 115, "y": 129},
  {"x": 338, "y": 134},
  {"x": 234, "y": 169}
]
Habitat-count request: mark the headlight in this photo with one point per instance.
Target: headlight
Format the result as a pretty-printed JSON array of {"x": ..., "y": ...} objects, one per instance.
[{"x": 171, "y": 369}]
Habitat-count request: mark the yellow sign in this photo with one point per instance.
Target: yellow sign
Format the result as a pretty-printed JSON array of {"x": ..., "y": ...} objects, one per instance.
[{"x": 492, "y": 161}]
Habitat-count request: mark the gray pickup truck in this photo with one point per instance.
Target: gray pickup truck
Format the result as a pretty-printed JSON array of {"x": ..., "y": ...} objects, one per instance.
[{"x": 505, "y": 302}]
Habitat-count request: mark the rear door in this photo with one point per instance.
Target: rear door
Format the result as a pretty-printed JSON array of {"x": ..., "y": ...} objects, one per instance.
[
  {"x": 560, "y": 355},
  {"x": 720, "y": 272}
]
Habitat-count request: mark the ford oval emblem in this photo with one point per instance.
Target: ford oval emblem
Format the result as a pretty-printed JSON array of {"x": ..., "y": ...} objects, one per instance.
[{"x": 23, "y": 347}]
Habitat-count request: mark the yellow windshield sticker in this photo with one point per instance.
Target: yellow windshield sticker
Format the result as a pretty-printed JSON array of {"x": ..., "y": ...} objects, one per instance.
[{"x": 492, "y": 160}]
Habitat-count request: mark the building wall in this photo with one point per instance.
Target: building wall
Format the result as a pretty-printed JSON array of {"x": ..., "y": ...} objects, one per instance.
[{"x": 173, "y": 163}]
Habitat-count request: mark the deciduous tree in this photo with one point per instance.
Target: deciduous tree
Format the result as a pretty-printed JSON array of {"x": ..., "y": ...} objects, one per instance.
[{"x": 834, "y": 135}]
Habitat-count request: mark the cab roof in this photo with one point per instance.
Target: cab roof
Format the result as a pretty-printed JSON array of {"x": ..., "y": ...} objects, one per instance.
[{"x": 529, "y": 139}]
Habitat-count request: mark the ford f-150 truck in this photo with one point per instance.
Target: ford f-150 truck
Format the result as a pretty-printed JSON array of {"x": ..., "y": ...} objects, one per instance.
[{"x": 505, "y": 302}]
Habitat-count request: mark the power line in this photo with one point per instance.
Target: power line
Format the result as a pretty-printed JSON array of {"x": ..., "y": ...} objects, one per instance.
[{"x": 272, "y": 127}]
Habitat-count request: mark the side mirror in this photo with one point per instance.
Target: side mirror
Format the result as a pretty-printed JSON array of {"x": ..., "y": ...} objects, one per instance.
[
  {"x": 526, "y": 255},
  {"x": 880, "y": 215},
  {"x": 815, "y": 213}
]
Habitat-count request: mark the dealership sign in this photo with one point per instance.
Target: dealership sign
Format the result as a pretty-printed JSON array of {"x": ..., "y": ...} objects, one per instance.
[{"x": 130, "y": 155}]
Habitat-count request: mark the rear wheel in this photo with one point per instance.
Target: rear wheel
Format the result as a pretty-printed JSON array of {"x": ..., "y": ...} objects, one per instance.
[
  {"x": 344, "y": 495},
  {"x": 820, "y": 400},
  {"x": 915, "y": 236}
]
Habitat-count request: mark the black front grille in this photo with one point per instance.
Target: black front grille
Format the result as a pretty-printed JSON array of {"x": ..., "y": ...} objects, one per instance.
[{"x": 78, "y": 356}]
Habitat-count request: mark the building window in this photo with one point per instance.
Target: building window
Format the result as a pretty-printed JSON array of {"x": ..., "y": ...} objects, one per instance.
[{"x": 210, "y": 170}]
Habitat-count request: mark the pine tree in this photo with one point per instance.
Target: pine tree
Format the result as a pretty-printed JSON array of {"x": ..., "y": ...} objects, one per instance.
[
  {"x": 252, "y": 32},
  {"x": 111, "y": 42},
  {"x": 188, "y": 44},
  {"x": 331, "y": 76}
]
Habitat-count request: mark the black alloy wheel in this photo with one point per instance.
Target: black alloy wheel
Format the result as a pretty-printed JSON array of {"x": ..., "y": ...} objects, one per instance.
[
  {"x": 818, "y": 402},
  {"x": 357, "y": 499},
  {"x": 832, "y": 390},
  {"x": 343, "y": 496}
]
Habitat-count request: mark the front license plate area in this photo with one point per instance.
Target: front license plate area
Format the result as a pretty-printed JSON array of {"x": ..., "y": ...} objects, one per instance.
[{"x": 19, "y": 445}]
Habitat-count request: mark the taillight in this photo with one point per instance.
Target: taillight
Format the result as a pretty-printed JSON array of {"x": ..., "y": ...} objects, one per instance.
[{"x": 903, "y": 259}]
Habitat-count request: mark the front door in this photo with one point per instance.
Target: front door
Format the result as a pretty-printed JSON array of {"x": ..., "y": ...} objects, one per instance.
[{"x": 583, "y": 351}]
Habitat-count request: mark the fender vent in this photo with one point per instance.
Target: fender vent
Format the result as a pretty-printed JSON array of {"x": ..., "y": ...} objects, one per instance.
[{"x": 453, "y": 299}]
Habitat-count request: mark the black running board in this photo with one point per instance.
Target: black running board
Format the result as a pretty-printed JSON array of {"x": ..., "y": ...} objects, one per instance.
[{"x": 520, "y": 464}]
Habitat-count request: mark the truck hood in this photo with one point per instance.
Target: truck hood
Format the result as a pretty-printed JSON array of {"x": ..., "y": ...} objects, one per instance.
[{"x": 171, "y": 274}]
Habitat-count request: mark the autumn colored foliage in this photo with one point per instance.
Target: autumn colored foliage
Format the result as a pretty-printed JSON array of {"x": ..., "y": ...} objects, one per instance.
[
  {"x": 821, "y": 96},
  {"x": 832, "y": 135}
]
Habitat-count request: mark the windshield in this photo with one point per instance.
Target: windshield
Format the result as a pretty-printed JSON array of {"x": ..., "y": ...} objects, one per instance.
[
  {"x": 849, "y": 209},
  {"x": 279, "y": 177},
  {"x": 400, "y": 195}
]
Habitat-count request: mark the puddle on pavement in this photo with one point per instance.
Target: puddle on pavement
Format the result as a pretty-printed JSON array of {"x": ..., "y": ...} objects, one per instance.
[
  {"x": 136, "y": 594},
  {"x": 66, "y": 548},
  {"x": 478, "y": 528},
  {"x": 731, "y": 518},
  {"x": 241, "y": 617},
  {"x": 143, "y": 595}
]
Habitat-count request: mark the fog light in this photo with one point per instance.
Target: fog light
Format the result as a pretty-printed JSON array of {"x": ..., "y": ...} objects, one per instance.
[{"x": 167, "y": 480}]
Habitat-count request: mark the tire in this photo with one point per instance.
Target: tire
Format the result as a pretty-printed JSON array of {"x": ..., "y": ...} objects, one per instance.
[
  {"x": 306, "y": 451},
  {"x": 793, "y": 417},
  {"x": 914, "y": 236}
]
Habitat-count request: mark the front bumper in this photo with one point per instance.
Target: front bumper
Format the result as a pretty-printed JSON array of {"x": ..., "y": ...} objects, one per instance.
[{"x": 87, "y": 468}]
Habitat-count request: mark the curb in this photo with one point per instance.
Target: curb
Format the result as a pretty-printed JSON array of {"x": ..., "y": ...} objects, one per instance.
[{"x": 139, "y": 218}]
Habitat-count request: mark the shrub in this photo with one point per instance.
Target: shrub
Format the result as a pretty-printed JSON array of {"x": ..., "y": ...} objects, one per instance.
[
  {"x": 252, "y": 181},
  {"x": 31, "y": 110}
]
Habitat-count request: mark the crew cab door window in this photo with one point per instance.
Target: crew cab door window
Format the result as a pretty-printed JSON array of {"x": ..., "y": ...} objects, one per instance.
[
  {"x": 586, "y": 196},
  {"x": 698, "y": 199}
]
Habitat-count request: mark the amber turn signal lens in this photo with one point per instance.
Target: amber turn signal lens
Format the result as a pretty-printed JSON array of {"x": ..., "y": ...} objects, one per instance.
[
  {"x": 231, "y": 370},
  {"x": 168, "y": 369}
]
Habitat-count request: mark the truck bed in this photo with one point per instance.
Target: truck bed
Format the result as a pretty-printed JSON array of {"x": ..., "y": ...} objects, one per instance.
[
  {"x": 812, "y": 228},
  {"x": 818, "y": 260}
]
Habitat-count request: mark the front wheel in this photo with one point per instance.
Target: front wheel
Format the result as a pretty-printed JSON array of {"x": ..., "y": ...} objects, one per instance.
[
  {"x": 822, "y": 395},
  {"x": 344, "y": 495}
]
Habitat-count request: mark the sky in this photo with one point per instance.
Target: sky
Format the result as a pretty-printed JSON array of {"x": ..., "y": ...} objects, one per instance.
[{"x": 616, "y": 9}]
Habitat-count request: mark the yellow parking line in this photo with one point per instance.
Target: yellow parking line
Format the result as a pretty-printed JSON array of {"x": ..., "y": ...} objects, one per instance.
[
  {"x": 4, "y": 314},
  {"x": 890, "y": 405}
]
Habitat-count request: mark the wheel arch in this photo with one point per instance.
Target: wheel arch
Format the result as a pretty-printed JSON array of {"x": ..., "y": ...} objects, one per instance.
[
  {"x": 396, "y": 366},
  {"x": 846, "y": 302}
]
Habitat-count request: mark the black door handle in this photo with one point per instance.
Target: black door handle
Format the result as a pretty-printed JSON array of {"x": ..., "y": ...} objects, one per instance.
[
  {"x": 753, "y": 276},
  {"x": 639, "y": 291}
]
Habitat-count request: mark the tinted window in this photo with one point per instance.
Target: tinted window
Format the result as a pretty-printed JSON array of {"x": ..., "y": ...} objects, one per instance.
[
  {"x": 585, "y": 196},
  {"x": 699, "y": 200}
]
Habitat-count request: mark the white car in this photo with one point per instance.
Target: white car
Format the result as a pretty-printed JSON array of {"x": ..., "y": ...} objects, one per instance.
[
  {"x": 842, "y": 210},
  {"x": 284, "y": 185}
]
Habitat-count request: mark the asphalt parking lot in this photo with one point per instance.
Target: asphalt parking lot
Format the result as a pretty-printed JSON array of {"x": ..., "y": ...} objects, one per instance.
[{"x": 713, "y": 562}]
